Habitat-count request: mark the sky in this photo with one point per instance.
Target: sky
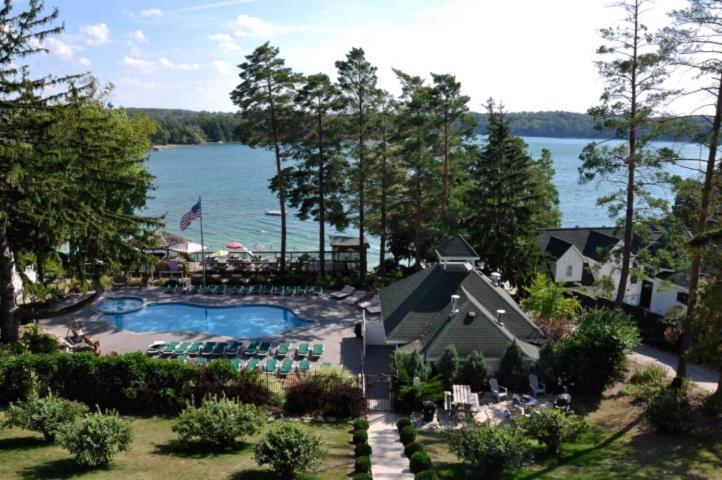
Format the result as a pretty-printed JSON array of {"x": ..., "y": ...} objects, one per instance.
[{"x": 531, "y": 55}]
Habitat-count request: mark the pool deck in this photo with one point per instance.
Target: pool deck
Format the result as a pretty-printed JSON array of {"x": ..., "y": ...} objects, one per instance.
[{"x": 333, "y": 324}]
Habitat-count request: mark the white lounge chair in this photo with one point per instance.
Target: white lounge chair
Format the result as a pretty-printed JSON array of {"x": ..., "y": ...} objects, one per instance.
[
  {"x": 536, "y": 386},
  {"x": 357, "y": 296},
  {"x": 368, "y": 303},
  {"x": 346, "y": 291},
  {"x": 374, "y": 310},
  {"x": 498, "y": 391}
]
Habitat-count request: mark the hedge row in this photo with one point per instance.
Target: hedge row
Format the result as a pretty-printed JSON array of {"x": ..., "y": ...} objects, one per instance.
[
  {"x": 129, "y": 383},
  {"x": 362, "y": 450},
  {"x": 419, "y": 461}
]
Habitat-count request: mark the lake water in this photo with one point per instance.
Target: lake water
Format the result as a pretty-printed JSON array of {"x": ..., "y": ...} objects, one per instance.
[{"x": 233, "y": 181}]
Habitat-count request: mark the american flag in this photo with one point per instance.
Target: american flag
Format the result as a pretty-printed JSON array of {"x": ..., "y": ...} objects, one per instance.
[{"x": 192, "y": 214}]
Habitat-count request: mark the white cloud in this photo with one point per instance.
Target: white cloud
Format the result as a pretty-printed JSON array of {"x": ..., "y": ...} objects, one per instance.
[
  {"x": 224, "y": 68},
  {"x": 161, "y": 63},
  {"x": 95, "y": 34},
  {"x": 135, "y": 37},
  {"x": 60, "y": 48},
  {"x": 84, "y": 61},
  {"x": 220, "y": 37},
  {"x": 248, "y": 26},
  {"x": 165, "y": 63},
  {"x": 226, "y": 43},
  {"x": 151, "y": 12},
  {"x": 142, "y": 65}
]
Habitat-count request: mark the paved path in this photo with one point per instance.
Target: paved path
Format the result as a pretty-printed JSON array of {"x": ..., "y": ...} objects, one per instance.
[
  {"x": 388, "y": 461},
  {"x": 703, "y": 377}
]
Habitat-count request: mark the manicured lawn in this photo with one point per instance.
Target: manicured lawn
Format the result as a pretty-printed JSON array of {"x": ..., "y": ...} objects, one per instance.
[
  {"x": 154, "y": 455},
  {"x": 619, "y": 445}
]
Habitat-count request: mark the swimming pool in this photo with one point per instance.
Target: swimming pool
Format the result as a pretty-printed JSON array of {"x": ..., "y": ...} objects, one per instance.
[{"x": 239, "y": 321}]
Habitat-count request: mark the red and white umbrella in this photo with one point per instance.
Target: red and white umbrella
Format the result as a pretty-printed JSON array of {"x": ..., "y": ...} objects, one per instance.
[{"x": 234, "y": 245}]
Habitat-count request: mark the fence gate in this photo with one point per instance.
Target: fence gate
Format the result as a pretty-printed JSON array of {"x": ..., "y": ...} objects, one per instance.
[{"x": 377, "y": 389}]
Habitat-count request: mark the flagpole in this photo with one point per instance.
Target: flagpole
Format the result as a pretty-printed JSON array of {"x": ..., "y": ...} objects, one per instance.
[{"x": 203, "y": 253}]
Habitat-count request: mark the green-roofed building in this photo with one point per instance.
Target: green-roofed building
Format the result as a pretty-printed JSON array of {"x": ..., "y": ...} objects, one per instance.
[{"x": 453, "y": 303}]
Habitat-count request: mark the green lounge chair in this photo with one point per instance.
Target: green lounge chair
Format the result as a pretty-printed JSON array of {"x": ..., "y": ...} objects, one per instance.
[
  {"x": 302, "y": 350},
  {"x": 169, "y": 348},
  {"x": 200, "y": 361},
  {"x": 182, "y": 348},
  {"x": 196, "y": 290},
  {"x": 208, "y": 348},
  {"x": 317, "y": 290},
  {"x": 263, "y": 349},
  {"x": 304, "y": 366},
  {"x": 155, "y": 348},
  {"x": 210, "y": 290},
  {"x": 277, "y": 290},
  {"x": 246, "y": 290},
  {"x": 236, "y": 363},
  {"x": 271, "y": 365},
  {"x": 256, "y": 290},
  {"x": 303, "y": 290},
  {"x": 195, "y": 348},
  {"x": 252, "y": 364},
  {"x": 290, "y": 291},
  {"x": 282, "y": 349},
  {"x": 251, "y": 349},
  {"x": 220, "y": 349},
  {"x": 220, "y": 290},
  {"x": 286, "y": 367},
  {"x": 182, "y": 358},
  {"x": 317, "y": 351},
  {"x": 236, "y": 289},
  {"x": 267, "y": 289},
  {"x": 233, "y": 348}
]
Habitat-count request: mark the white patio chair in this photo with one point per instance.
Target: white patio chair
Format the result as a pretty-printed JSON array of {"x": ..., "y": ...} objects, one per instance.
[
  {"x": 368, "y": 303},
  {"x": 498, "y": 391},
  {"x": 346, "y": 291},
  {"x": 536, "y": 386},
  {"x": 357, "y": 296}
]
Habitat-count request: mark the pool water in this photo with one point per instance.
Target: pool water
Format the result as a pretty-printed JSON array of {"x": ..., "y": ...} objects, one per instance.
[
  {"x": 116, "y": 305},
  {"x": 240, "y": 321}
]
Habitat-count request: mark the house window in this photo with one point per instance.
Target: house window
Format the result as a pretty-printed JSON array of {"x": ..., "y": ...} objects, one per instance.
[
  {"x": 569, "y": 270},
  {"x": 683, "y": 297}
]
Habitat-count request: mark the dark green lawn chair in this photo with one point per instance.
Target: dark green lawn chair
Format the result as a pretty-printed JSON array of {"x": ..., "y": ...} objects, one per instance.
[
  {"x": 169, "y": 348},
  {"x": 256, "y": 289},
  {"x": 246, "y": 289},
  {"x": 271, "y": 365},
  {"x": 302, "y": 350},
  {"x": 182, "y": 348},
  {"x": 200, "y": 361},
  {"x": 304, "y": 366},
  {"x": 317, "y": 290},
  {"x": 236, "y": 289},
  {"x": 220, "y": 349},
  {"x": 267, "y": 289},
  {"x": 290, "y": 291},
  {"x": 253, "y": 364},
  {"x": 251, "y": 349},
  {"x": 220, "y": 290},
  {"x": 302, "y": 290},
  {"x": 210, "y": 289},
  {"x": 263, "y": 349},
  {"x": 196, "y": 290},
  {"x": 286, "y": 367},
  {"x": 282, "y": 349},
  {"x": 155, "y": 348},
  {"x": 233, "y": 349},
  {"x": 236, "y": 363},
  {"x": 277, "y": 290},
  {"x": 317, "y": 351},
  {"x": 208, "y": 348},
  {"x": 195, "y": 348}
]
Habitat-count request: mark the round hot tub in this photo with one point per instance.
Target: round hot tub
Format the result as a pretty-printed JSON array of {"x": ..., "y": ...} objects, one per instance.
[{"x": 120, "y": 305}]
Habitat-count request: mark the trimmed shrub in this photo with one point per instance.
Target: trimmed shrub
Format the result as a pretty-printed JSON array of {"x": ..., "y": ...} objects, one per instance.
[
  {"x": 94, "y": 439},
  {"x": 490, "y": 449},
  {"x": 39, "y": 342},
  {"x": 712, "y": 404},
  {"x": 362, "y": 465},
  {"x": 412, "y": 448},
  {"x": 289, "y": 448},
  {"x": 426, "y": 475},
  {"x": 361, "y": 424},
  {"x": 362, "y": 450},
  {"x": 410, "y": 397},
  {"x": 448, "y": 365},
  {"x": 551, "y": 427},
  {"x": 218, "y": 422},
  {"x": 331, "y": 394},
  {"x": 407, "y": 434},
  {"x": 669, "y": 411},
  {"x": 474, "y": 372},
  {"x": 361, "y": 476},
  {"x": 403, "y": 422},
  {"x": 514, "y": 369},
  {"x": 360, "y": 436},
  {"x": 44, "y": 414},
  {"x": 419, "y": 461}
]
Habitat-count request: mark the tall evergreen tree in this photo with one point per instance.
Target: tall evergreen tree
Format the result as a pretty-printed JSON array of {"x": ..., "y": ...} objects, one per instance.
[
  {"x": 630, "y": 99},
  {"x": 265, "y": 97},
  {"x": 357, "y": 83},
  {"x": 543, "y": 173},
  {"x": 316, "y": 182}
]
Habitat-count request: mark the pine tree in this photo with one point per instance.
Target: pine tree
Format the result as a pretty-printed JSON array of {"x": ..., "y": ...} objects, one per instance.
[
  {"x": 316, "y": 182},
  {"x": 357, "y": 83},
  {"x": 265, "y": 96},
  {"x": 543, "y": 174},
  {"x": 448, "y": 365}
]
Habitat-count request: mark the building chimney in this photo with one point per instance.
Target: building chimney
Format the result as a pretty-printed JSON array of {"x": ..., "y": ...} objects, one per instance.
[
  {"x": 499, "y": 316},
  {"x": 495, "y": 277},
  {"x": 454, "y": 304}
]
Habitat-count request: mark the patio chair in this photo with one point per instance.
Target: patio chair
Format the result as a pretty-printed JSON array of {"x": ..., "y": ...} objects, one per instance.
[
  {"x": 208, "y": 348},
  {"x": 290, "y": 291},
  {"x": 155, "y": 348},
  {"x": 303, "y": 290},
  {"x": 346, "y": 291},
  {"x": 368, "y": 303},
  {"x": 196, "y": 290},
  {"x": 286, "y": 367},
  {"x": 317, "y": 351},
  {"x": 263, "y": 349},
  {"x": 282, "y": 349},
  {"x": 253, "y": 364},
  {"x": 536, "y": 386},
  {"x": 374, "y": 309},
  {"x": 271, "y": 365},
  {"x": 195, "y": 348},
  {"x": 220, "y": 290},
  {"x": 277, "y": 290},
  {"x": 233, "y": 349},
  {"x": 267, "y": 289},
  {"x": 169, "y": 348},
  {"x": 236, "y": 290},
  {"x": 302, "y": 350},
  {"x": 236, "y": 363},
  {"x": 498, "y": 391},
  {"x": 357, "y": 296},
  {"x": 251, "y": 349},
  {"x": 182, "y": 348},
  {"x": 220, "y": 349},
  {"x": 210, "y": 289},
  {"x": 318, "y": 290},
  {"x": 304, "y": 366},
  {"x": 246, "y": 290}
]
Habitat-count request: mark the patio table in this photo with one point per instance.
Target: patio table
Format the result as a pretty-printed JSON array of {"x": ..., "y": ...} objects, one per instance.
[{"x": 463, "y": 396}]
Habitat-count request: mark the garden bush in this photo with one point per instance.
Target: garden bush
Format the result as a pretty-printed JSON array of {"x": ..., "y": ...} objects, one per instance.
[
  {"x": 360, "y": 436},
  {"x": 514, "y": 369},
  {"x": 403, "y": 422},
  {"x": 407, "y": 434},
  {"x": 361, "y": 424},
  {"x": 361, "y": 476},
  {"x": 410, "y": 397},
  {"x": 474, "y": 372},
  {"x": 712, "y": 404},
  {"x": 362, "y": 450},
  {"x": 448, "y": 365},
  {"x": 218, "y": 421},
  {"x": 412, "y": 448},
  {"x": 289, "y": 448},
  {"x": 489, "y": 449},
  {"x": 331, "y": 394},
  {"x": 95, "y": 438},
  {"x": 362, "y": 465},
  {"x": 669, "y": 411},
  {"x": 44, "y": 414},
  {"x": 419, "y": 461},
  {"x": 426, "y": 475},
  {"x": 646, "y": 382},
  {"x": 551, "y": 427},
  {"x": 38, "y": 342}
]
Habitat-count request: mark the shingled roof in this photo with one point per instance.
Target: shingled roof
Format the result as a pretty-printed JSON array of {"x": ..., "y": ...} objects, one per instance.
[
  {"x": 456, "y": 247},
  {"x": 594, "y": 243}
]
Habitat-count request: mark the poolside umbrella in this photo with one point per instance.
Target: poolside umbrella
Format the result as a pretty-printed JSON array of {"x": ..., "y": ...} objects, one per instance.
[
  {"x": 234, "y": 245},
  {"x": 219, "y": 253}
]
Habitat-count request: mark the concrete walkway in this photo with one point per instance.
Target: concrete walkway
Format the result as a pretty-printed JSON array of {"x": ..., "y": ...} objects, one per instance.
[
  {"x": 388, "y": 461},
  {"x": 703, "y": 377}
]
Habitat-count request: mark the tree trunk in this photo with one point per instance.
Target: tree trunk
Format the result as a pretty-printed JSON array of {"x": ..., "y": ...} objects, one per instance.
[
  {"x": 417, "y": 224},
  {"x": 445, "y": 204},
  {"x": 362, "y": 202},
  {"x": 8, "y": 320},
  {"x": 279, "y": 173},
  {"x": 700, "y": 228},
  {"x": 382, "y": 239},
  {"x": 321, "y": 200}
]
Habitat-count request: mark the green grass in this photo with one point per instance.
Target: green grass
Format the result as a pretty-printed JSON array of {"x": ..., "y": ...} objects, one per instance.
[
  {"x": 155, "y": 455},
  {"x": 618, "y": 445}
]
